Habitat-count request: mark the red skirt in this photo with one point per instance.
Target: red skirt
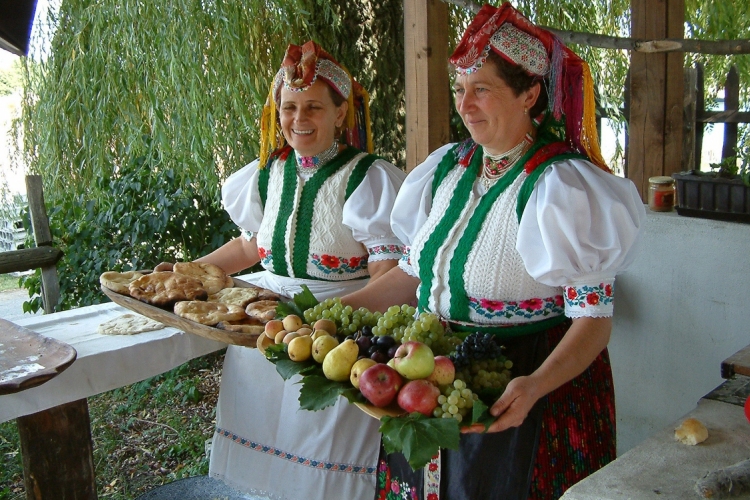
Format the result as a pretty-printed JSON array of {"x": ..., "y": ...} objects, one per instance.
[{"x": 567, "y": 436}]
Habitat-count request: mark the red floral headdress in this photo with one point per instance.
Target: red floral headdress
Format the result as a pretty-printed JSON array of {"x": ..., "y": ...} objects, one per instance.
[
  {"x": 570, "y": 87},
  {"x": 302, "y": 65}
]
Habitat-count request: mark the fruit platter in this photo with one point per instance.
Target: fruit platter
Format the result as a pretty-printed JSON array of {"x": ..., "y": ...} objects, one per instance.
[{"x": 421, "y": 381}]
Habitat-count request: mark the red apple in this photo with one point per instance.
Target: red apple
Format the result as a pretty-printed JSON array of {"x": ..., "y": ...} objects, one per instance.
[
  {"x": 444, "y": 372},
  {"x": 379, "y": 384},
  {"x": 414, "y": 360},
  {"x": 419, "y": 395}
]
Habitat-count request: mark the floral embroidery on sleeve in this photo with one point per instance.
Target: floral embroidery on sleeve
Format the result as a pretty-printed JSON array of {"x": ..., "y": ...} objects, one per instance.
[
  {"x": 589, "y": 300},
  {"x": 331, "y": 264}
]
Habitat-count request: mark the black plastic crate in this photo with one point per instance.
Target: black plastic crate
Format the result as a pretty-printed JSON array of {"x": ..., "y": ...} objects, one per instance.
[{"x": 711, "y": 197}]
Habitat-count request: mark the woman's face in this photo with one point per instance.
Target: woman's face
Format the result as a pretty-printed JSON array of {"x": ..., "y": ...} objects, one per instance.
[
  {"x": 309, "y": 118},
  {"x": 489, "y": 108}
]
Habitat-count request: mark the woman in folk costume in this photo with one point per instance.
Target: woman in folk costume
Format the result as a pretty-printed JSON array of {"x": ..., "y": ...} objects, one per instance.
[
  {"x": 518, "y": 231},
  {"x": 313, "y": 211}
]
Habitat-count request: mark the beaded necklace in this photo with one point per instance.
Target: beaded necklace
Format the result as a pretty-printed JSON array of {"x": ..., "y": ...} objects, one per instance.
[
  {"x": 495, "y": 166},
  {"x": 310, "y": 164}
]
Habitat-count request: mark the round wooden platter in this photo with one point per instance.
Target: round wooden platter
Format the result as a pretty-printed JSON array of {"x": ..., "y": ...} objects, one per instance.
[
  {"x": 263, "y": 342},
  {"x": 392, "y": 410},
  {"x": 171, "y": 319}
]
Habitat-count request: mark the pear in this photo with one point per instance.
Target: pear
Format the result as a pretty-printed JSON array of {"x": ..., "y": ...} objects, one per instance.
[
  {"x": 322, "y": 346},
  {"x": 319, "y": 333},
  {"x": 325, "y": 324},
  {"x": 337, "y": 365},
  {"x": 360, "y": 366},
  {"x": 300, "y": 348}
]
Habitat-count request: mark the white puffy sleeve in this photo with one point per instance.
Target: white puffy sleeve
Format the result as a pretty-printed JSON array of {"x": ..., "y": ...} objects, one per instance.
[
  {"x": 368, "y": 210},
  {"x": 581, "y": 226},
  {"x": 241, "y": 199},
  {"x": 414, "y": 202}
]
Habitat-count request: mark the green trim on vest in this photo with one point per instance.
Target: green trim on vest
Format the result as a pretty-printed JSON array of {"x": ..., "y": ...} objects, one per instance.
[
  {"x": 507, "y": 332},
  {"x": 459, "y": 304},
  {"x": 530, "y": 182},
  {"x": 358, "y": 174},
  {"x": 288, "y": 188},
  {"x": 303, "y": 226},
  {"x": 440, "y": 234},
  {"x": 263, "y": 176},
  {"x": 444, "y": 167}
]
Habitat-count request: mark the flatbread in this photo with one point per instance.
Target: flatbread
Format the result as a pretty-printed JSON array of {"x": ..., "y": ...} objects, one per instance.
[
  {"x": 212, "y": 276},
  {"x": 119, "y": 282},
  {"x": 264, "y": 310},
  {"x": 237, "y": 296},
  {"x": 252, "y": 326},
  {"x": 209, "y": 313},
  {"x": 163, "y": 289},
  {"x": 128, "y": 324}
]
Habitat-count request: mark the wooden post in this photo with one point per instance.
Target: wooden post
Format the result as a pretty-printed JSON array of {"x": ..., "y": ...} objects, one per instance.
[
  {"x": 731, "y": 103},
  {"x": 58, "y": 458},
  {"x": 700, "y": 110},
  {"x": 688, "y": 151},
  {"x": 427, "y": 93},
  {"x": 656, "y": 112},
  {"x": 43, "y": 237}
]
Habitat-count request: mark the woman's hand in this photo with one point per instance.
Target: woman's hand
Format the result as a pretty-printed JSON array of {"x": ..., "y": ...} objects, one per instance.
[
  {"x": 512, "y": 407},
  {"x": 164, "y": 266}
]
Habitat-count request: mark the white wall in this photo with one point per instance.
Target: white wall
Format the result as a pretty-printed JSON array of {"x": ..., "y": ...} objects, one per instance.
[{"x": 680, "y": 310}]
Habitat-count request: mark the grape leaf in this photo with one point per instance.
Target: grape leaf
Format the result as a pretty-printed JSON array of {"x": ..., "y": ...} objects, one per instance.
[
  {"x": 318, "y": 392},
  {"x": 298, "y": 305},
  {"x": 288, "y": 368},
  {"x": 418, "y": 437}
]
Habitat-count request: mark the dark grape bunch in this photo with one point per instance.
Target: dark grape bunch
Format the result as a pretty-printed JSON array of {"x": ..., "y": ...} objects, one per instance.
[
  {"x": 380, "y": 348},
  {"x": 477, "y": 346}
]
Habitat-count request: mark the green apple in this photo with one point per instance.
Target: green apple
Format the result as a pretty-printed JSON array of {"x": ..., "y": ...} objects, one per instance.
[{"x": 414, "y": 360}]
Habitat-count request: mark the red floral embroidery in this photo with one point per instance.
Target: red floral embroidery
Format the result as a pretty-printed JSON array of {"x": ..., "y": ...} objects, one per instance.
[
  {"x": 262, "y": 253},
  {"x": 532, "y": 304},
  {"x": 572, "y": 294},
  {"x": 558, "y": 300},
  {"x": 492, "y": 305},
  {"x": 395, "y": 487},
  {"x": 433, "y": 467},
  {"x": 608, "y": 290},
  {"x": 432, "y": 496},
  {"x": 330, "y": 260},
  {"x": 354, "y": 261},
  {"x": 592, "y": 299}
]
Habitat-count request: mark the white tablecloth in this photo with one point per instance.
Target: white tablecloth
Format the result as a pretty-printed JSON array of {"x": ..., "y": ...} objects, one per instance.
[{"x": 104, "y": 362}]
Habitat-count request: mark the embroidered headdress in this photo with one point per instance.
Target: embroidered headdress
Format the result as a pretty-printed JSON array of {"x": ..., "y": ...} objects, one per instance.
[
  {"x": 570, "y": 87},
  {"x": 303, "y": 65}
]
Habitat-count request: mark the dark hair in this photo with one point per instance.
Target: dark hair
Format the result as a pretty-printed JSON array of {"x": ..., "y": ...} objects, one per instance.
[{"x": 519, "y": 81}]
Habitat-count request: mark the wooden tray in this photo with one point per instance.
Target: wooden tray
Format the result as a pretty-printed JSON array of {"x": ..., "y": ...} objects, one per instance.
[
  {"x": 392, "y": 410},
  {"x": 28, "y": 359},
  {"x": 171, "y": 319}
]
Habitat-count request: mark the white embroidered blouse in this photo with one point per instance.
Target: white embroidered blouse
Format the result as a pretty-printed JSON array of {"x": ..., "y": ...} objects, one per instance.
[{"x": 580, "y": 227}]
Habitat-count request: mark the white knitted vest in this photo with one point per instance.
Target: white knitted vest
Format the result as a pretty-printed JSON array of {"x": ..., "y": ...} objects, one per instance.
[
  {"x": 494, "y": 270},
  {"x": 333, "y": 253}
]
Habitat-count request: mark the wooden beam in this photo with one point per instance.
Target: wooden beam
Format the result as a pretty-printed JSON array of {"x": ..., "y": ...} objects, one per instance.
[
  {"x": 657, "y": 95},
  {"x": 428, "y": 98},
  {"x": 43, "y": 238},
  {"x": 28, "y": 258}
]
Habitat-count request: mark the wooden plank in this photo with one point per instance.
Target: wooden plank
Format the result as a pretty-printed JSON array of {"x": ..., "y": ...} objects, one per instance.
[
  {"x": 674, "y": 91},
  {"x": 648, "y": 93},
  {"x": 28, "y": 359},
  {"x": 427, "y": 92},
  {"x": 43, "y": 237},
  {"x": 700, "y": 106},
  {"x": 737, "y": 363},
  {"x": 731, "y": 103},
  {"x": 689, "y": 124},
  {"x": 58, "y": 458},
  {"x": 28, "y": 258},
  {"x": 724, "y": 117}
]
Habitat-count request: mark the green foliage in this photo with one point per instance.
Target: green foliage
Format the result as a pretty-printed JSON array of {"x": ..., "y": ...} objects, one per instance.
[
  {"x": 141, "y": 217},
  {"x": 10, "y": 79},
  {"x": 418, "y": 437}
]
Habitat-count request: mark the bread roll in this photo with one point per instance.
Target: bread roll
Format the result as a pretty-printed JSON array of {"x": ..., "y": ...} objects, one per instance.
[{"x": 691, "y": 432}]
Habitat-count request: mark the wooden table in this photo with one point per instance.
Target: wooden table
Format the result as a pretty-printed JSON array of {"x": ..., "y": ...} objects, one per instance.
[
  {"x": 53, "y": 418},
  {"x": 737, "y": 363}
]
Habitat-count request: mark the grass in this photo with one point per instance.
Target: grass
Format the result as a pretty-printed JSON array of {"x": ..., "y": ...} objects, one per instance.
[
  {"x": 8, "y": 282},
  {"x": 144, "y": 435}
]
